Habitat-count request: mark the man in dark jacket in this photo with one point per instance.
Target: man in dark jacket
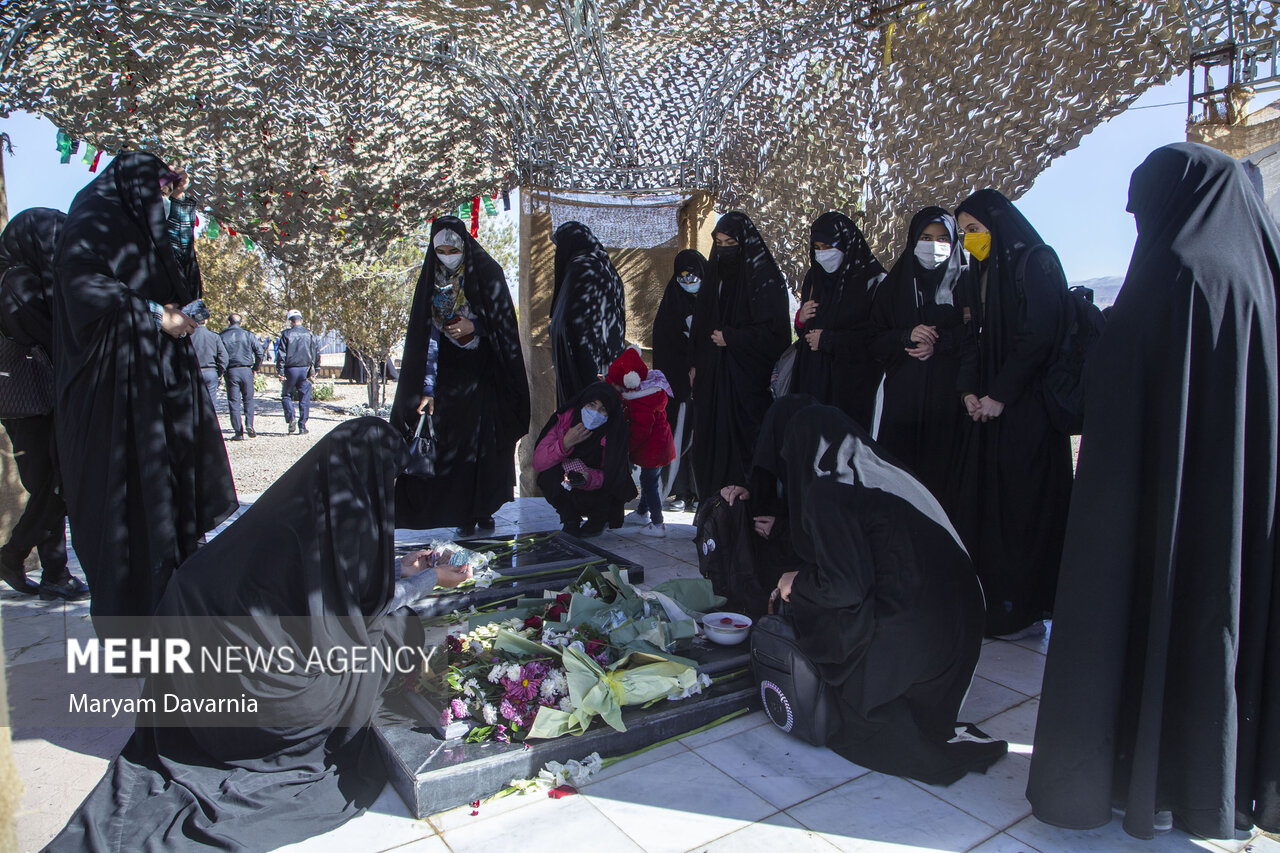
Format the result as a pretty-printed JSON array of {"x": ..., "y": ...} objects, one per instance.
[
  {"x": 297, "y": 357},
  {"x": 212, "y": 355},
  {"x": 244, "y": 357}
]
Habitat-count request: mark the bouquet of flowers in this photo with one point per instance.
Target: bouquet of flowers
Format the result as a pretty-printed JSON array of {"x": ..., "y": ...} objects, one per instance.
[{"x": 544, "y": 667}]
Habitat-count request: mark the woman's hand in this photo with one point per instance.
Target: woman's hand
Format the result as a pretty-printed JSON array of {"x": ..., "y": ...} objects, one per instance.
[
  {"x": 784, "y": 585},
  {"x": 460, "y": 328},
  {"x": 717, "y": 337},
  {"x": 574, "y": 436},
  {"x": 415, "y": 562},
  {"x": 921, "y": 351},
  {"x": 812, "y": 338},
  {"x": 449, "y": 576},
  {"x": 764, "y": 525},
  {"x": 923, "y": 334},
  {"x": 972, "y": 405},
  {"x": 175, "y": 324},
  {"x": 807, "y": 311},
  {"x": 989, "y": 409},
  {"x": 428, "y": 405},
  {"x": 734, "y": 493}
]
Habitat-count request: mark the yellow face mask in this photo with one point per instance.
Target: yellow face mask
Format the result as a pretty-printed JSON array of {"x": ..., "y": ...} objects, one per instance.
[{"x": 978, "y": 244}]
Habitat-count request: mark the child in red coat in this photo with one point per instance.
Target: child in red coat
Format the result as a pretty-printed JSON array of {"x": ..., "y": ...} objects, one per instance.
[{"x": 644, "y": 398}]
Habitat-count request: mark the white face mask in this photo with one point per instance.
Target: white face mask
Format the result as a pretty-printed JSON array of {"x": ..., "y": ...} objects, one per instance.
[
  {"x": 829, "y": 259},
  {"x": 691, "y": 283},
  {"x": 931, "y": 254},
  {"x": 164, "y": 200},
  {"x": 451, "y": 262}
]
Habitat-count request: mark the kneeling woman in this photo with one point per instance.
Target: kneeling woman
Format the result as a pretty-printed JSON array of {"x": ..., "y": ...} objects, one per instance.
[
  {"x": 887, "y": 606},
  {"x": 582, "y": 461},
  {"x": 288, "y": 751}
]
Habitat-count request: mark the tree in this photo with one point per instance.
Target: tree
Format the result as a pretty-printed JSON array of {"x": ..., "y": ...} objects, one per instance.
[
  {"x": 368, "y": 304},
  {"x": 244, "y": 280}
]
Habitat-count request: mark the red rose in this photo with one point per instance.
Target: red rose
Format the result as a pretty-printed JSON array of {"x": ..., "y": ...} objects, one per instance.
[
  {"x": 533, "y": 622},
  {"x": 555, "y": 611},
  {"x": 563, "y": 599}
]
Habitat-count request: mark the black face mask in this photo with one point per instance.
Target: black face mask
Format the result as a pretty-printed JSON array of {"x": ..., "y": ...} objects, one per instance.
[{"x": 728, "y": 257}]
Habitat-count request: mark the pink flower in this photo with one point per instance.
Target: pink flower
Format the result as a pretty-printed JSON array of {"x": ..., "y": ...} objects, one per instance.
[
  {"x": 525, "y": 688},
  {"x": 458, "y": 709},
  {"x": 508, "y": 712},
  {"x": 446, "y": 717},
  {"x": 500, "y": 734}
]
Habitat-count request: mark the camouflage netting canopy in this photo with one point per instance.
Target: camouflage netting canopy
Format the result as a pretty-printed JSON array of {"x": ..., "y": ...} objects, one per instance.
[{"x": 351, "y": 122}]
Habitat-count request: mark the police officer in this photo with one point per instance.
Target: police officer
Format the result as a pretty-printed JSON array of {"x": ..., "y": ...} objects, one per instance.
[
  {"x": 297, "y": 357},
  {"x": 212, "y": 355},
  {"x": 244, "y": 357}
]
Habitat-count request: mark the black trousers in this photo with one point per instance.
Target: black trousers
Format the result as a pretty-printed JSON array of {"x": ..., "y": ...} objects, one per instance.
[
  {"x": 575, "y": 504},
  {"x": 210, "y": 377},
  {"x": 43, "y": 522},
  {"x": 240, "y": 397}
]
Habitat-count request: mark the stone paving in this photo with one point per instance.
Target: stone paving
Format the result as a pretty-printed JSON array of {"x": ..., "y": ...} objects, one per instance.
[{"x": 740, "y": 787}]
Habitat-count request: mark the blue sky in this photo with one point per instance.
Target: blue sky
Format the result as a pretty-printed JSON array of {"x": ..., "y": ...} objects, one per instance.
[{"x": 1077, "y": 204}]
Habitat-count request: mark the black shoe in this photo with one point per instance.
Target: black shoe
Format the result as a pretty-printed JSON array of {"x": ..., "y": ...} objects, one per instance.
[
  {"x": 303, "y": 430},
  {"x": 15, "y": 577},
  {"x": 251, "y": 433},
  {"x": 592, "y": 528},
  {"x": 468, "y": 529},
  {"x": 292, "y": 428},
  {"x": 573, "y": 528},
  {"x": 69, "y": 588},
  {"x": 486, "y": 523},
  {"x": 238, "y": 437},
  {"x": 674, "y": 504}
]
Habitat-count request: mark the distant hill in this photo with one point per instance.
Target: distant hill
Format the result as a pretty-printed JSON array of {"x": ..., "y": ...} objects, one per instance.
[{"x": 1104, "y": 289}]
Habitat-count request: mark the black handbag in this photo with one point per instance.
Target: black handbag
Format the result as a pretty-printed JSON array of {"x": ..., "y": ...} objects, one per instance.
[
  {"x": 422, "y": 450},
  {"x": 795, "y": 697},
  {"x": 26, "y": 380}
]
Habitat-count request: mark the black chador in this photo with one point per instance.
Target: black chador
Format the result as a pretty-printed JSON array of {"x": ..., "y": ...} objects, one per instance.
[
  {"x": 745, "y": 299},
  {"x": 588, "y": 311},
  {"x": 1162, "y": 690},
  {"x": 145, "y": 471},
  {"x": 842, "y": 281},
  {"x": 1015, "y": 477},
  {"x": 922, "y": 420},
  {"x": 307, "y": 573},
  {"x": 673, "y": 355},
  {"x": 886, "y": 603},
  {"x": 479, "y": 384}
]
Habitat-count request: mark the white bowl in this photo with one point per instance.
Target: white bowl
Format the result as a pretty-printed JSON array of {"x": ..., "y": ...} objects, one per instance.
[{"x": 726, "y": 633}]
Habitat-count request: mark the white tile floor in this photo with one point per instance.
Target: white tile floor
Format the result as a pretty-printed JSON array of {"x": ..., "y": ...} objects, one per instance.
[{"x": 738, "y": 788}]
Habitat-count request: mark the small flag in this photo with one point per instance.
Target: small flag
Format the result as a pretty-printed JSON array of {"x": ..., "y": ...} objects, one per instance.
[
  {"x": 93, "y": 167},
  {"x": 490, "y": 208},
  {"x": 475, "y": 216}
]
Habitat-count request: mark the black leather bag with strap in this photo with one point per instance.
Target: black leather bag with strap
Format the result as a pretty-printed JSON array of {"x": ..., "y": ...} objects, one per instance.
[{"x": 26, "y": 380}]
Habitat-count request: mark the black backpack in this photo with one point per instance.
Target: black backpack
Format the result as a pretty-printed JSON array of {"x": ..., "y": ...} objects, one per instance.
[
  {"x": 728, "y": 557},
  {"x": 794, "y": 696},
  {"x": 1064, "y": 374}
]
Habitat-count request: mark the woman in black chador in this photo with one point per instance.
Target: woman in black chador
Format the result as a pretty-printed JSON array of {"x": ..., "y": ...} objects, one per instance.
[
  {"x": 144, "y": 469},
  {"x": 304, "y": 760},
  {"x": 739, "y": 331},
  {"x": 833, "y": 362},
  {"x": 1162, "y": 689},
  {"x": 886, "y": 603},
  {"x": 26, "y": 289},
  {"x": 673, "y": 355},
  {"x": 588, "y": 311},
  {"x": 1015, "y": 476},
  {"x": 464, "y": 369},
  {"x": 917, "y": 333},
  {"x": 583, "y": 461}
]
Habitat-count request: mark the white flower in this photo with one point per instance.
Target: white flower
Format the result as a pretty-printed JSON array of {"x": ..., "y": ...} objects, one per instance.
[
  {"x": 694, "y": 689},
  {"x": 471, "y": 688},
  {"x": 495, "y": 674},
  {"x": 566, "y": 705},
  {"x": 574, "y": 772},
  {"x": 589, "y": 591},
  {"x": 514, "y": 672},
  {"x": 489, "y": 713},
  {"x": 476, "y": 646},
  {"x": 577, "y": 646}
]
